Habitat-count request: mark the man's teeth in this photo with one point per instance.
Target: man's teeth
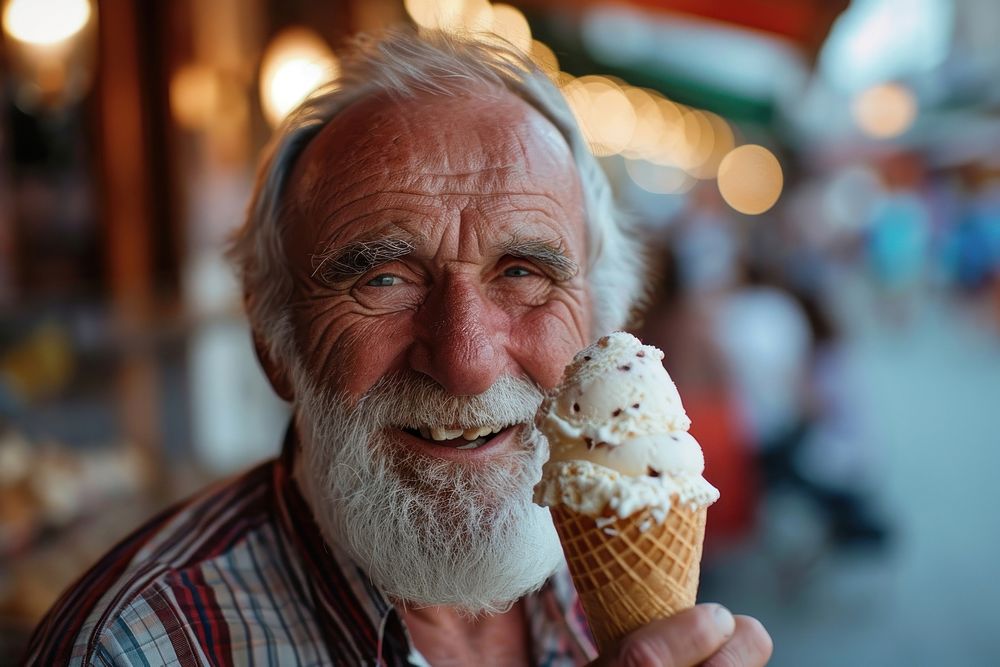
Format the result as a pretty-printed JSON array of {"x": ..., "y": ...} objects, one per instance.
[
  {"x": 470, "y": 434},
  {"x": 438, "y": 433},
  {"x": 474, "y": 433}
]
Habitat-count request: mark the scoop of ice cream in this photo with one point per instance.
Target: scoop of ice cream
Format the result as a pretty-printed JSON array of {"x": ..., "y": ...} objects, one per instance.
[
  {"x": 617, "y": 393},
  {"x": 618, "y": 435}
]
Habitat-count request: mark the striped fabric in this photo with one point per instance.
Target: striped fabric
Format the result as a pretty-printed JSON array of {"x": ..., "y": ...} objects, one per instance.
[{"x": 239, "y": 575}]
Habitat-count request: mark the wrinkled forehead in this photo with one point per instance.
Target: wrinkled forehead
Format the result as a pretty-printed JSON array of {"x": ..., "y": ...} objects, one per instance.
[{"x": 448, "y": 135}]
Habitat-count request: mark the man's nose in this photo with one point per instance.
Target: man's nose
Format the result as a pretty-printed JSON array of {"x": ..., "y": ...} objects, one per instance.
[{"x": 459, "y": 338}]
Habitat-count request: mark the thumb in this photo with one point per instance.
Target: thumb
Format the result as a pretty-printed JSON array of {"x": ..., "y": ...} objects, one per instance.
[{"x": 685, "y": 639}]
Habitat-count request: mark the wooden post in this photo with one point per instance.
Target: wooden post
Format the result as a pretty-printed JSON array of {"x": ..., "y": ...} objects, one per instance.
[{"x": 126, "y": 172}]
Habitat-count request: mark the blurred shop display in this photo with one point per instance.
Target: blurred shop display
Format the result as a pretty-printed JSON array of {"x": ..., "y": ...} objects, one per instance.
[
  {"x": 60, "y": 508},
  {"x": 34, "y": 367},
  {"x": 45, "y": 487}
]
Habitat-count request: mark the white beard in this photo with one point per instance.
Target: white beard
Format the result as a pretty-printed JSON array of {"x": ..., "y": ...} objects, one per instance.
[{"x": 428, "y": 531}]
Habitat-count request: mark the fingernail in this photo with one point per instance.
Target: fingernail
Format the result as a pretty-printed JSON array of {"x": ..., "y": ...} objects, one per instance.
[{"x": 724, "y": 620}]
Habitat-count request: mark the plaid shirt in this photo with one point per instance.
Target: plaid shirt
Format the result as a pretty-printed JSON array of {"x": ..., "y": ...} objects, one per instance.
[{"x": 239, "y": 575}]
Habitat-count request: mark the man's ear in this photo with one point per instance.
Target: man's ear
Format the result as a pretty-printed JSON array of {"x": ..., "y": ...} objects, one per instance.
[{"x": 277, "y": 374}]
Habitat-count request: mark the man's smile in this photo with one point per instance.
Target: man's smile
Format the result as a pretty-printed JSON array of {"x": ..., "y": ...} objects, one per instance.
[
  {"x": 462, "y": 437},
  {"x": 461, "y": 443}
]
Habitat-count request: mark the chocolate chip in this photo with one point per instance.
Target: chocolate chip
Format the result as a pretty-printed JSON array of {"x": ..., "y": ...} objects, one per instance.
[
  {"x": 616, "y": 412},
  {"x": 674, "y": 437},
  {"x": 635, "y": 406},
  {"x": 576, "y": 407},
  {"x": 586, "y": 358},
  {"x": 626, "y": 367},
  {"x": 652, "y": 472},
  {"x": 640, "y": 353},
  {"x": 589, "y": 442}
]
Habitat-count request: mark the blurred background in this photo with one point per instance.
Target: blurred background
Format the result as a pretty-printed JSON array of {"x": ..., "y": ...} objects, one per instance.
[{"x": 819, "y": 180}]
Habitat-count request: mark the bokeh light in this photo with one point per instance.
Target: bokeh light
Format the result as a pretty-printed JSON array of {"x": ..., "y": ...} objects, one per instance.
[
  {"x": 649, "y": 124},
  {"x": 611, "y": 116},
  {"x": 432, "y": 14},
  {"x": 454, "y": 16},
  {"x": 697, "y": 135},
  {"x": 885, "y": 111},
  {"x": 578, "y": 99},
  {"x": 669, "y": 146},
  {"x": 563, "y": 79},
  {"x": 473, "y": 16},
  {"x": 45, "y": 22},
  {"x": 296, "y": 63},
  {"x": 642, "y": 125},
  {"x": 723, "y": 142},
  {"x": 750, "y": 179},
  {"x": 194, "y": 96},
  {"x": 510, "y": 24},
  {"x": 603, "y": 112},
  {"x": 544, "y": 58}
]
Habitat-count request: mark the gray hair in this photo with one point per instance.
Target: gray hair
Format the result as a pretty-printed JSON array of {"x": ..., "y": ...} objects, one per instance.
[{"x": 403, "y": 64}]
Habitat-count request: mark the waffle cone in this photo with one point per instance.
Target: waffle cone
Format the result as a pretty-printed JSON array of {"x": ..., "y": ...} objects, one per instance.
[{"x": 627, "y": 576}]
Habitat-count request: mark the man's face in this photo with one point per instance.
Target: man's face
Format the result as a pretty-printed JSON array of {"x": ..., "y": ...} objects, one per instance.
[
  {"x": 438, "y": 254},
  {"x": 443, "y": 236}
]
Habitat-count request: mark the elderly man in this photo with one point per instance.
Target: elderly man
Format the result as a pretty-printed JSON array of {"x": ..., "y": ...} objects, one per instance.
[{"x": 428, "y": 245}]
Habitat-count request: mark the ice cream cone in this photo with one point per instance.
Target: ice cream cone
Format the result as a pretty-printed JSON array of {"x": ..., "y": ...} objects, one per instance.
[
  {"x": 631, "y": 571},
  {"x": 624, "y": 484}
]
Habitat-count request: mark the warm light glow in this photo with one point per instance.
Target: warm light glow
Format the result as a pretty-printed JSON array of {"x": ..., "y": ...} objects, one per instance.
[
  {"x": 510, "y": 24},
  {"x": 194, "y": 96},
  {"x": 670, "y": 148},
  {"x": 692, "y": 140},
  {"x": 603, "y": 112},
  {"x": 642, "y": 125},
  {"x": 475, "y": 16},
  {"x": 544, "y": 58},
  {"x": 456, "y": 16},
  {"x": 657, "y": 178},
  {"x": 704, "y": 147},
  {"x": 672, "y": 135},
  {"x": 578, "y": 100},
  {"x": 649, "y": 125},
  {"x": 611, "y": 116},
  {"x": 723, "y": 143},
  {"x": 564, "y": 79},
  {"x": 431, "y": 14},
  {"x": 885, "y": 111},
  {"x": 45, "y": 22},
  {"x": 202, "y": 98},
  {"x": 750, "y": 179},
  {"x": 296, "y": 63}
]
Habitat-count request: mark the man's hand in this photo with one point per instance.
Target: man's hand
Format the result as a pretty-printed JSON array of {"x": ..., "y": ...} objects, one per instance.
[{"x": 705, "y": 635}]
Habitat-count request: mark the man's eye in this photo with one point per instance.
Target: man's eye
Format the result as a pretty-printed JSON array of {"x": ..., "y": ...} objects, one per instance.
[
  {"x": 517, "y": 272},
  {"x": 384, "y": 280}
]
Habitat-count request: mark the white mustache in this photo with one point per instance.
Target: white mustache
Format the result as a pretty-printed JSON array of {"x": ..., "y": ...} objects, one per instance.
[{"x": 411, "y": 401}]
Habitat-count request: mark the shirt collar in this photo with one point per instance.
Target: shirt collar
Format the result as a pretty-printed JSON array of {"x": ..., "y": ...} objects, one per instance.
[{"x": 353, "y": 613}]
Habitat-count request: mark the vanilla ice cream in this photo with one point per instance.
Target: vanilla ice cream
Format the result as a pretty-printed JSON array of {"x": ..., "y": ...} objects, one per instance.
[{"x": 618, "y": 436}]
